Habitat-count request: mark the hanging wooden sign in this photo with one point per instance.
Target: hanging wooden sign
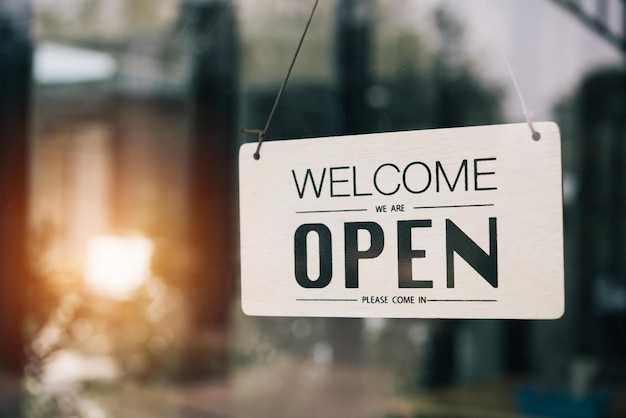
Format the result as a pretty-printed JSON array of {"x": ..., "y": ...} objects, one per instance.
[{"x": 447, "y": 223}]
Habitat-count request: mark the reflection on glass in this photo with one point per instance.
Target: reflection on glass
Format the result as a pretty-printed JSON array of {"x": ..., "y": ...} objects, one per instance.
[{"x": 133, "y": 126}]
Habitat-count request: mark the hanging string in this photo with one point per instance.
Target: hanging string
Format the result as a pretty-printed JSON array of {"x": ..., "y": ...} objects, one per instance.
[
  {"x": 263, "y": 132},
  {"x": 527, "y": 113}
]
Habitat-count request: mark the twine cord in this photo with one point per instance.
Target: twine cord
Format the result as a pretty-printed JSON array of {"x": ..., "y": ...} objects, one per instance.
[
  {"x": 528, "y": 115},
  {"x": 262, "y": 133}
]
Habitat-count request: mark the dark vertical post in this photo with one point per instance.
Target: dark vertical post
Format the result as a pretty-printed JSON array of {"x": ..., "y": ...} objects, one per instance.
[
  {"x": 601, "y": 202},
  {"x": 588, "y": 205},
  {"x": 353, "y": 66},
  {"x": 15, "y": 70},
  {"x": 212, "y": 205}
]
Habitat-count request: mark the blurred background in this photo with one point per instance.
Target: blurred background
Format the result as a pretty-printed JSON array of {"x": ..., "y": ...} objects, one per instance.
[{"x": 119, "y": 130}]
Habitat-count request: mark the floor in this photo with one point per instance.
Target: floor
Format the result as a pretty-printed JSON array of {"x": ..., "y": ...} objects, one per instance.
[{"x": 289, "y": 389}]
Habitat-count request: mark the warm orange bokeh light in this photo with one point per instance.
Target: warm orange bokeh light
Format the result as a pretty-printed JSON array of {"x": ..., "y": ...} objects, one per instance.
[{"x": 117, "y": 265}]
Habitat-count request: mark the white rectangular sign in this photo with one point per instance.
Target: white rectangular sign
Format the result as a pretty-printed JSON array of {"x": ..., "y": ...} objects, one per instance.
[{"x": 446, "y": 223}]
